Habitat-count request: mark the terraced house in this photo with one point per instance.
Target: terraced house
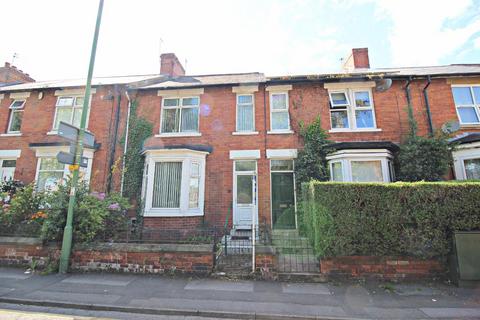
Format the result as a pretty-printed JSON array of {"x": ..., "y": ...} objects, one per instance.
[{"x": 224, "y": 146}]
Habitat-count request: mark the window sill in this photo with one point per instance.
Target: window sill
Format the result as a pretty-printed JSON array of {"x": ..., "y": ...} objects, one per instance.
[
  {"x": 354, "y": 130},
  {"x": 280, "y": 132},
  {"x": 13, "y": 134},
  {"x": 244, "y": 133},
  {"x": 171, "y": 213},
  {"x": 471, "y": 125},
  {"x": 173, "y": 135}
]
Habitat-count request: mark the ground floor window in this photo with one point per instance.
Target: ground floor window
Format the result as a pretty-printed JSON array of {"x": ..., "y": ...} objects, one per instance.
[
  {"x": 361, "y": 166},
  {"x": 7, "y": 169},
  {"x": 472, "y": 168},
  {"x": 466, "y": 159},
  {"x": 51, "y": 173},
  {"x": 174, "y": 183},
  {"x": 283, "y": 193}
]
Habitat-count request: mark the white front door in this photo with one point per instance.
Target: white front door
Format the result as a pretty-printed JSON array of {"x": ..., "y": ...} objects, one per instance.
[{"x": 245, "y": 194}]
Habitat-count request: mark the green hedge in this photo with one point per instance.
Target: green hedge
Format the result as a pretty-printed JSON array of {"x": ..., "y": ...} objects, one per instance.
[{"x": 403, "y": 219}]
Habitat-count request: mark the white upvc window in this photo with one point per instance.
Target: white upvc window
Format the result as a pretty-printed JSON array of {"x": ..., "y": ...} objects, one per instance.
[
  {"x": 245, "y": 113},
  {"x": 279, "y": 115},
  {"x": 467, "y": 103},
  {"x": 68, "y": 109},
  {"x": 7, "y": 169},
  {"x": 180, "y": 115},
  {"x": 466, "y": 161},
  {"x": 174, "y": 183},
  {"x": 351, "y": 109},
  {"x": 361, "y": 166},
  {"x": 16, "y": 116},
  {"x": 50, "y": 173}
]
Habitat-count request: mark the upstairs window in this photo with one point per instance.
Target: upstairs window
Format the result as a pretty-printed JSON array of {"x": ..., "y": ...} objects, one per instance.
[
  {"x": 16, "y": 116},
  {"x": 351, "y": 109},
  {"x": 467, "y": 103},
  {"x": 245, "y": 113},
  {"x": 180, "y": 115},
  {"x": 69, "y": 110},
  {"x": 279, "y": 117}
]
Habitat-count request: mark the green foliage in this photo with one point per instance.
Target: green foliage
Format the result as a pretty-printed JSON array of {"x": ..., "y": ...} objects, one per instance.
[
  {"x": 423, "y": 158},
  {"x": 139, "y": 130},
  {"x": 94, "y": 214},
  {"x": 311, "y": 163},
  {"x": 400, "y": 219},
  {"x": 21, "y": 214}
]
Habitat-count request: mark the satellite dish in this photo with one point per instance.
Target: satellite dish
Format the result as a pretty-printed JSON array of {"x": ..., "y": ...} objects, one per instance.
[
  {"x": 450, "y": 127},
  {"x": 383, "y": 85}
]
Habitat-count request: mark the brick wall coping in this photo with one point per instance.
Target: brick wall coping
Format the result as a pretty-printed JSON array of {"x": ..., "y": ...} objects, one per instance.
[
  {"x": 262, "y": 249},
  {"x": 21, "y": 240},
  {"x": 145, "y": 247}
]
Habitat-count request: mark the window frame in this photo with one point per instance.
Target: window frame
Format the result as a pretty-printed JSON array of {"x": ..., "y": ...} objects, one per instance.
[
  {"x": 14, "y": 110},
  {"x": 347, "y": 156},
  {"x": 187, "y": 157},
  {"x": 351, "y": 108},
  {"x": 180, "y": 107},
  {"x": 475, "y": 105},
  {"x": 2, "y": 168},
  {"x": 73, "y": 106},
  {"x": 287, "y": 110},
  {"x": 253, "y": 113},
  {"x": 464, "y": 152}
]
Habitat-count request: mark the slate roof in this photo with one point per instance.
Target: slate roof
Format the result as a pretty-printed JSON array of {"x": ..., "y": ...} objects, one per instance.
[{"x": 157, "y": 81}]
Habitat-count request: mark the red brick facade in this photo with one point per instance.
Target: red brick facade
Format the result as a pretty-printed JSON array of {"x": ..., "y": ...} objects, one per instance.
[{"x": 308, "y": 99}]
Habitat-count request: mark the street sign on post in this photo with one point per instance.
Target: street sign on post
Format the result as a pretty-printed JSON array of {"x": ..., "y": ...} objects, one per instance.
[
  {"x": 71, "y": 133},
  {"x": 68, "y": 230},
  {"x": 69, "y": 158}
]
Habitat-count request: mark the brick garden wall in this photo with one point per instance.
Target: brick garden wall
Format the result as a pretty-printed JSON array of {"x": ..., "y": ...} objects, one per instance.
[{"x": 381, "y": 267}]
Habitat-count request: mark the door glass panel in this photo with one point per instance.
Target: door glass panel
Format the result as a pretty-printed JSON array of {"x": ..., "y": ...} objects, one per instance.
[
  {"x": 282, "y": 165},
  {"x": 244, "y": 189},
  {"x": 283, "y": 200},
  {"x": 245, "y": 165},
  {"x": 367, "y": 171},
  {"x": 472, "y": 169}
]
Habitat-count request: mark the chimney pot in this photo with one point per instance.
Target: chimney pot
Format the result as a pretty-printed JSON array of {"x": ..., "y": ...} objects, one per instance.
[
  {"x": 170, "y": 65},
  {"x": 7, "y": 64}
]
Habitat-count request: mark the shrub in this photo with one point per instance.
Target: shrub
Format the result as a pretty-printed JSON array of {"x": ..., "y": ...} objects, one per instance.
[
  {"x": 22, "y": 215},
  {"x": 400, "y": 219},
  {"x": 311, "y": 163},
  {"x": 93, "y": 214}
]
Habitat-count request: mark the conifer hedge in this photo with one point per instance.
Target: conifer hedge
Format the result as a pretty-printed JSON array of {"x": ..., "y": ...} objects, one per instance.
[{"x": 397, "y": 219}]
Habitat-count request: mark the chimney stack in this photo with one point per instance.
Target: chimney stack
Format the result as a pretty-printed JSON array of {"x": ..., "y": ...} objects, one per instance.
[
  {"x": 10, "y": 74},
  {"x": 170, "y": 65},
  {"x": 358, "y": 59}
]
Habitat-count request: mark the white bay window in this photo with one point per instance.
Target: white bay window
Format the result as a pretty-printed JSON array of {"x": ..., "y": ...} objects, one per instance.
[
  {"x": 361, "y": 165},
  {"x": 174, "y": 182},
  {"x": 50, "y": 173},
  {"x": 466, "y": 161}
]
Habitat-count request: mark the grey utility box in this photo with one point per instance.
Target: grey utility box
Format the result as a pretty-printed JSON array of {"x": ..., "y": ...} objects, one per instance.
[{"x": 467, "y": 248}]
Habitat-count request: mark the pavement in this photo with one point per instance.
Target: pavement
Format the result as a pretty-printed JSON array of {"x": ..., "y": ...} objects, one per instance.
[{"x": 240, "y": 299}]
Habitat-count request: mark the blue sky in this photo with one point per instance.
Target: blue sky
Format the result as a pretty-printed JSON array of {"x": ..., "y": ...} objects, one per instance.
[{"x": 272, "y": 36}]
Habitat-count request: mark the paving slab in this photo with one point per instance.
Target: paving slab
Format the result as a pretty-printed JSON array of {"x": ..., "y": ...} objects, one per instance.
[
  {"x": 455, "y": 313},
  {"x": 218, "y": 285},
  {"x": 416, "y": 290},
  {"x": 241, "y": 306},
  {"x": 395, "y": 313},
  {"x": 73, "y": 297},
  {"x": 101, "y": 280},
  {"x": 305, "y": 288}
]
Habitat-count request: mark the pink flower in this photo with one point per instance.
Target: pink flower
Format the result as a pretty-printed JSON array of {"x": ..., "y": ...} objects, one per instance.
[
  {"x": 114, "y": 206},
  {"x": 98, "y": 195}
]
